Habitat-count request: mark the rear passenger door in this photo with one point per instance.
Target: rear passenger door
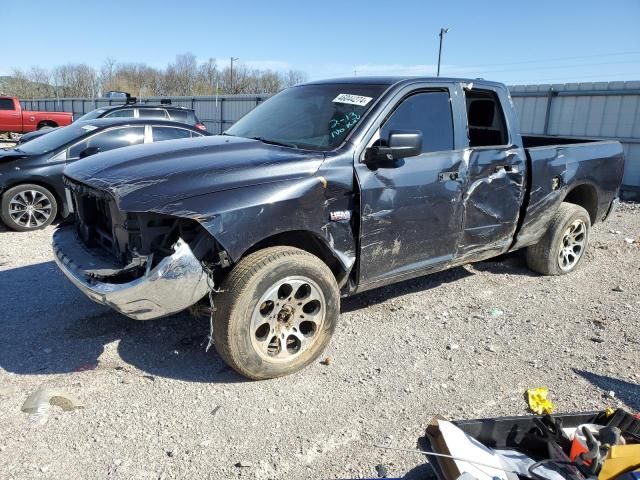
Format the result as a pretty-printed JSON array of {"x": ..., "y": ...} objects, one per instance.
[
  {"x": 495, "y": 181},
  {"x": 10, "y": 118}
]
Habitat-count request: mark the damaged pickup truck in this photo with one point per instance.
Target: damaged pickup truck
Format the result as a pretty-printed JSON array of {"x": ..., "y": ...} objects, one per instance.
[{"x": 325, "y": 190}]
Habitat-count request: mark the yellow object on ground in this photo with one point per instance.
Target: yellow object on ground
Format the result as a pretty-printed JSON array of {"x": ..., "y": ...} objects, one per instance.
[
  {"x": 538, "y": 401},
  {"x": 620, "y": 459}
]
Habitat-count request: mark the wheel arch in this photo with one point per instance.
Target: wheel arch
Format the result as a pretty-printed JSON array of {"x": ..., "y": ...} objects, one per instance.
[
  {"x": 584, "y": 195},
  {"x": 308, "y": 241},
  {"x": 46, "y": 123}
]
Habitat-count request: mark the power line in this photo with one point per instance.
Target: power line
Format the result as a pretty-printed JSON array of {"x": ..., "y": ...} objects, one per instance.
[
  {"x": 482, "y": 67},
  {"x": 465, "y": 69},
  {"x": 577, "y": 79},
  {"x": 561, "y": 58},
  {"x": 578, "y": 65}
]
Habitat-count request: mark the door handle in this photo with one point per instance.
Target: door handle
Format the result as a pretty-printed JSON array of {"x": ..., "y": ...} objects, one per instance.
[{"x": 448, "y": 176}]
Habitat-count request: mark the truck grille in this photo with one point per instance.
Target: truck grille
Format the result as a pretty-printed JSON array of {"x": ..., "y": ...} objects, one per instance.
[{"x": 95, "y": 211}]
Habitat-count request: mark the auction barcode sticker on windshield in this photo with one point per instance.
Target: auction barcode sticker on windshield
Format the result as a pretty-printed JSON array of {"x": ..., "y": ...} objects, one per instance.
[{"x": 352, "y": 99}]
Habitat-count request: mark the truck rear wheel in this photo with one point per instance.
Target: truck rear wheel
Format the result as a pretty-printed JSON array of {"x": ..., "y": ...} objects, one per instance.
[
  {"x": 276, "y": 313},
  {"x": 28, "y": 207},
  {"x": 562, "y": 247}
]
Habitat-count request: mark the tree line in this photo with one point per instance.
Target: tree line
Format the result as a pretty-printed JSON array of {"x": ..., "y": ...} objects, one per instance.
[{"x": 184, "y": 76}]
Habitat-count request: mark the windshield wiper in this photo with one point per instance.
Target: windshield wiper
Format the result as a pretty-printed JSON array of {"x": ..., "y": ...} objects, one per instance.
[{"x": 274, "y": 142}]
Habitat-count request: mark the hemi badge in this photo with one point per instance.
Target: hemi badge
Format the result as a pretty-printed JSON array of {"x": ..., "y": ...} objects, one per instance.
[{"x": 341, "y": 215}]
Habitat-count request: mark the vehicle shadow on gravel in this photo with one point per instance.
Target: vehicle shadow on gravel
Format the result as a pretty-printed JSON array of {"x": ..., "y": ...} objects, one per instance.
[
  {"x": 628, "y": 392},
  {"x": 49, "y": 327},
  {"x": 510, "y": 263},
  {"x": 420, "y": 284}
]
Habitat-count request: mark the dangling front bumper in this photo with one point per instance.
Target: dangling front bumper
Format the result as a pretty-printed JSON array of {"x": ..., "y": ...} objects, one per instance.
[{"x": 174, "y": 284}]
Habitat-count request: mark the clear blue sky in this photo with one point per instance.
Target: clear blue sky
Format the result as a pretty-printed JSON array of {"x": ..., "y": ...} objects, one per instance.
[{"x": 514, "y": 42}]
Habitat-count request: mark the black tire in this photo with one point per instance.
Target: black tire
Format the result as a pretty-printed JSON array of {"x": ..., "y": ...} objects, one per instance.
[
  {"x": 46, "y": 125},
  {"x": 250, "y": 280},
  {"x": 544, "y": 256},
  {"x": 37, "y": 220}
]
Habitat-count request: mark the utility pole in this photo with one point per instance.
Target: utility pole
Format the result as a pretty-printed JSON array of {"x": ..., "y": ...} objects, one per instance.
[
  {"x": 441, "y": 35},
  {"x": 231, "y": 73}
]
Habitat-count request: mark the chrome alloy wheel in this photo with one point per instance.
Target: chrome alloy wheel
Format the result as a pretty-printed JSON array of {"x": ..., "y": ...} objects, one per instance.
[
  {"x": 30, "y": 208},
  {"x": 573, "y": 244},
  {"x": 288, "y": 318}
]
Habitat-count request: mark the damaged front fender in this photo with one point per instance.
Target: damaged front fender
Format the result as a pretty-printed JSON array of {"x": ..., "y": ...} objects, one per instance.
[{"x": 242, "y": 218}]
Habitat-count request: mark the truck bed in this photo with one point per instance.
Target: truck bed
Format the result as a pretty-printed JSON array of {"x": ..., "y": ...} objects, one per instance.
[
  {"x": 583, "y": 171},
  {"x": 531, "y": 141}
]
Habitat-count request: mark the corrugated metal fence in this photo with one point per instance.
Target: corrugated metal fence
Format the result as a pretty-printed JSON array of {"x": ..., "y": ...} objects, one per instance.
[
  {"x": 217, "y": 112},
  {"x": 595, "y": 110}
]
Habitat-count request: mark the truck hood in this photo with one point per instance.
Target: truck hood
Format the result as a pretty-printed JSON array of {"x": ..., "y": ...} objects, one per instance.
[{"x": 147, "y": 177}]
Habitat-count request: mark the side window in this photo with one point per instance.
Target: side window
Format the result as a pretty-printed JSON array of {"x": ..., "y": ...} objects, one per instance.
[
  {"x": 428, "y": 112},
  {"x": 124, "y": 113},
  {"x": 110, "y": 139},
  {"x": 485, "y": 119},
  {"x": 183, "y": 116},
  {"x": 6, "y": 104},
  {"x": 169, "y": 133},
  {"x": 152, "y": 113}
]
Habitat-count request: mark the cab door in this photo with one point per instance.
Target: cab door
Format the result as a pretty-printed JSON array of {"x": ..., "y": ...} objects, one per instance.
[
  {"x": 410, "y": 212},
  {"x": 10, "y": 117},
  {"x": 495, "y": 185}
]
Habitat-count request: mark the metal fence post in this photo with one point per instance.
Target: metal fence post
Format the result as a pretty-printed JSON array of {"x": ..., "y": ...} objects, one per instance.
[
  {"x": 547, "y": 114},
  {"x": 221, "y": 122}
]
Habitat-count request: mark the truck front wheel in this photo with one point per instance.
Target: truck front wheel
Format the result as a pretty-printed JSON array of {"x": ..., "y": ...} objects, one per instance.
[
  {"x": 276, "y": 312},
  {"x": 563, "y": 245}
]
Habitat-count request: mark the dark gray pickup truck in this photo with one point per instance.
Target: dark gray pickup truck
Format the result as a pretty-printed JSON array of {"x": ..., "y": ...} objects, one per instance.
[{"x": 326, "y": 190}]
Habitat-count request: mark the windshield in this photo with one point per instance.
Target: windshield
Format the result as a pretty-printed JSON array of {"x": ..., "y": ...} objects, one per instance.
[
  {"x": 316, "y": 117},
  {"x": 56, "y": 138},
  {"x": 92, "y": 114}
]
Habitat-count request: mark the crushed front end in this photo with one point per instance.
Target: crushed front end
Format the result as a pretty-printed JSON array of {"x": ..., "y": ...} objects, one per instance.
[{"x": 143, "y": 265}]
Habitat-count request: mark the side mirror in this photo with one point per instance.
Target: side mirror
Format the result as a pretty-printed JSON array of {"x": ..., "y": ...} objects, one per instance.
[
  {"x": 401, "y": 144},
  {"x": 87, "y": 152}
]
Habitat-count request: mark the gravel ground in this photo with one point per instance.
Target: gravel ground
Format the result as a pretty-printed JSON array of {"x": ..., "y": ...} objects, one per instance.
[
  {"x": 6, "y": 142},
  {"x": 465, "y": 343}
]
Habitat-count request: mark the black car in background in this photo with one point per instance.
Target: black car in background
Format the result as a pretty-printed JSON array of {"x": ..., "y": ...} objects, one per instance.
[
  {"x": 31, "y": 185},
  {"x": 132, "y": 110}
]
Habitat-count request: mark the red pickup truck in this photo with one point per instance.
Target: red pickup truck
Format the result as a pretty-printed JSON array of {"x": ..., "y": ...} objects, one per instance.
[{"x": 14, "y": 119}]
